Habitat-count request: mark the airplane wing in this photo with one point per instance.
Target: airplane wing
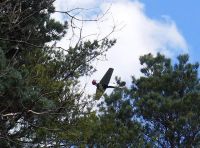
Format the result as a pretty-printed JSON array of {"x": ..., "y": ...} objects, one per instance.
[
  {"x": 99, "y": 92},
  {"x": 106, "y": 78}
]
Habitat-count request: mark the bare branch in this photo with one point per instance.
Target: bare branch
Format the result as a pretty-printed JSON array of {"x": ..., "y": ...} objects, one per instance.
[
  {"x": 11, "y": 114},
  {"x": 75, "y": 18},
  {"x": 37, "y": 113}
]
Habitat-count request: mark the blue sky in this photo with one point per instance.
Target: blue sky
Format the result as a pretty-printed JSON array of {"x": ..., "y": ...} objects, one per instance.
[
  {"x": 185, "y": 13},
  {"x": 142, "y": 26}
]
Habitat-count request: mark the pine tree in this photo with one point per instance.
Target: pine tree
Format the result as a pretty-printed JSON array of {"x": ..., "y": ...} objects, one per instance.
[
  {"x": 116, "y": 125},
  {"x": 39, "y": 92},
  {"x": 167, "y": 101}
]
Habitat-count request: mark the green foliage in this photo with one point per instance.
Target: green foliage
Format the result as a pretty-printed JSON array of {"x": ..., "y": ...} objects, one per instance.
[
  {"x": 167, "y": 100},
  {"x": 39, "y": 87},
  {"x": 41, "y": 103},
  {"x": 117, "y": 126}
]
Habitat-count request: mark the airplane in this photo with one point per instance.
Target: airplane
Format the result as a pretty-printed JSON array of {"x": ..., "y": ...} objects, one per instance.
[{"x": 103, "y": 84}]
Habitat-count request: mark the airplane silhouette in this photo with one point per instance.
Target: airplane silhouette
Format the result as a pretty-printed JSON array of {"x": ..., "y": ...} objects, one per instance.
[{"x": 103, "y": 84}]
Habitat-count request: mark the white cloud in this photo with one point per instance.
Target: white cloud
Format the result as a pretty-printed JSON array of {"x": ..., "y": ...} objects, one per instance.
[
  {"x": 67, "y": 5},
  {"x": 140, "y": 35},
  {"x": 71, "y": 4}
]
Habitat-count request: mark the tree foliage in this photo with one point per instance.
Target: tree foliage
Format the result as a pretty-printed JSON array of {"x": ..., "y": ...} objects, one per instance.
[
  {"x": 42, "y": 105},
  {"x": 117, "y": 126},
  {"x": 167, "y": 101},
  {"x": 39, "y": 92}
]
